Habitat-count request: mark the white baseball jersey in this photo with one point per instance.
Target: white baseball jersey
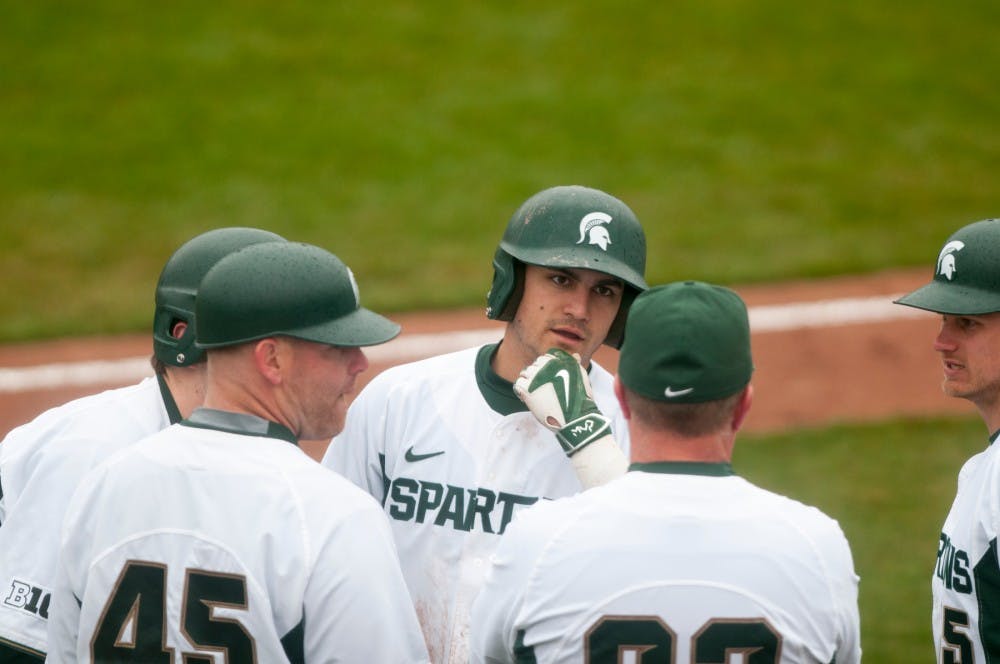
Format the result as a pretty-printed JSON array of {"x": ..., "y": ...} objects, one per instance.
[
  {"x": 452, "y": 454},
  {"x": 966, "y": 580},
  {"x": 41, "y": 464},
  {"x": 685, "y": 562},
  {"x": 218, "y": 539}
]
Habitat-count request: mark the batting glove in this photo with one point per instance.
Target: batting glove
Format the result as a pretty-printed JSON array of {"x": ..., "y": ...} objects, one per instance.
[{"x": 557, "y": 391}]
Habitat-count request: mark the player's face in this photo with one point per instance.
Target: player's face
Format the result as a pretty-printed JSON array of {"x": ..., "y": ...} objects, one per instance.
[
  {"x": 970, "y": 356},
  {"x": 571, "y": 309},
  {"x": 324, "y": 378}
]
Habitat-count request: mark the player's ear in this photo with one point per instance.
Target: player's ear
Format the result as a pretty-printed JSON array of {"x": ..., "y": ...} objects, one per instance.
[
  {"x": 269, "y": 359},
  {"x": 178, "y": 328},
  {"x": 620, "y": 395},
  {"x": 742, "y": 407}
]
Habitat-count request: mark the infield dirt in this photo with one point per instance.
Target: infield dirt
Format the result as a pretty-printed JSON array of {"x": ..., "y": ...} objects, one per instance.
[{"x": 804, "y": 377}]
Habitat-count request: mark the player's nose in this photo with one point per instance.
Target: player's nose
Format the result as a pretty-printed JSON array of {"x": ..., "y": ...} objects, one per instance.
[
  {"x": 577, "y": 304},
  {"x": 945, "y": 341},
  {"x": 358, "y": 362}
]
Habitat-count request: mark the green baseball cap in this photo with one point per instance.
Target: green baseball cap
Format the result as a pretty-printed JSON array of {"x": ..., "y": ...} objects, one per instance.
[
  {"x": 686, "y": 342},
  {"x": 284, "y": 289},
  {"x": 967, "y": 276}
]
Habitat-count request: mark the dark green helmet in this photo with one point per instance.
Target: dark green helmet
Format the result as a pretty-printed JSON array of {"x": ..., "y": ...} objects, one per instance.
[
  {"x": 569, "y": 227},
  {"x": 178, "y": 284},
  {"x": 285, "y": 289},
  {"x": 967, "y": 275}
]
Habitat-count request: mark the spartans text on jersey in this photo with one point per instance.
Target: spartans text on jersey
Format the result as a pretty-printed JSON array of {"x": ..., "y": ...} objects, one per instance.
[
  {"x": 953, "y": 566},
  {"x": 464, "y": 509}
]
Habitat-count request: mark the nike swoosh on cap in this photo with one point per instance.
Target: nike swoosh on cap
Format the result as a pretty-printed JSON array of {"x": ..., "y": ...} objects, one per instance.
[
  {"x": 671, "y": 393},
  {"x": 412, "y": 456}
]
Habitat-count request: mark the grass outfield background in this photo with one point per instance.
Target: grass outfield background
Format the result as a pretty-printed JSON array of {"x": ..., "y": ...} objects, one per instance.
[
  {"x": 756, "y": 140},
  {"x": 890, "y": 486}
]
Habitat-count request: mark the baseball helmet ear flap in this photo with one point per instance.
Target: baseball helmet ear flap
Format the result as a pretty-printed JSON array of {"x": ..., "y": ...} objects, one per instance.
[
  {"x": 178, "y": 286},
  {"x": 508, "y": 285},
  {"x": 616, "y": 333},
  {"x": 169, "y": 348}
]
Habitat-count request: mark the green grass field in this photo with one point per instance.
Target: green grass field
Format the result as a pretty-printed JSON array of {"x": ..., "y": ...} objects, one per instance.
[
  {"x": 756, "y": 140},
  {"x": 890, "y": 486}
]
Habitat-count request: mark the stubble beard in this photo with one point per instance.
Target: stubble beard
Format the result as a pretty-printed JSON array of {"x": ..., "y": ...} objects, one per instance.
[
  {"x": 321, "y": 419},
  {"x": 986, "y": 397},
  {"x": 329, "y": 421},
  {"x": 956, "y": 391}
]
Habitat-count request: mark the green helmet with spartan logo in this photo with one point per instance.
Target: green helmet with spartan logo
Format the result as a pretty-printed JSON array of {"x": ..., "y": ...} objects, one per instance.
[
  {"x": 285, "y": 289},
  {"x": 967, "y": 273},
  {"x": 569, "y": 227},
  {"x": 178, "y": 285}
]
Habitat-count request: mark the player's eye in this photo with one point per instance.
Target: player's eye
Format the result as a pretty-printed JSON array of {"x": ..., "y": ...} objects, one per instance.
[{"x": 607, "y": 290}]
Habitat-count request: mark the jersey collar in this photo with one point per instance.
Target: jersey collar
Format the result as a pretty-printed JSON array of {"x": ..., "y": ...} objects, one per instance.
[
  {"x": 239, "y": 423},
  {"x": 173, "y": 412},
  {"x": 499, "y": 393},
  {"x": 721, "y": 469}
]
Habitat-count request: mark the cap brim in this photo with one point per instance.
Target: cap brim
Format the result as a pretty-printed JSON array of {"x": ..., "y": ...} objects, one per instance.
[
  {"x": 358, "y": 328},
  {"x": 950, "y": 298}
]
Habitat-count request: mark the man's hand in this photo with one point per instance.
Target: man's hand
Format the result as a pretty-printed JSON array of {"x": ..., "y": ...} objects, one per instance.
[{"x": 557, "y": 391}]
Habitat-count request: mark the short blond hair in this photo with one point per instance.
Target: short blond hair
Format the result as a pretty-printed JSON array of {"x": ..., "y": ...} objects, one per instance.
[{"x": 688, "y": 420}]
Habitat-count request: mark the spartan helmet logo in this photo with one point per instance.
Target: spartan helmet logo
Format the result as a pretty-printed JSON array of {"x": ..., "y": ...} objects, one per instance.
[
  {"x": 592, "y": 230},
  {"x": 354, "y": 287},
  {"x": 946, "y": 260}
]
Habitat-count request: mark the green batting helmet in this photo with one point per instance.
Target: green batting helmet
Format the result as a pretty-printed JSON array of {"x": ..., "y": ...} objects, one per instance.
[
  {"x": 178, "y": 284},
  {"x": 569, "y": 227},
  {"x": 967, "y": 276},
  {"x": 285, "y": 289}
]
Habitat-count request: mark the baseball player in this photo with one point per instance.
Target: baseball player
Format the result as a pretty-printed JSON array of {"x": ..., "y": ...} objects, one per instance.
[
  {"x": 444, "y": 443},
  {"x": 965, "y": 584},
  {"x": 218, "y": 538},
  {"x": 42, "y": 462},
  {"x": 680, "y": 560}
]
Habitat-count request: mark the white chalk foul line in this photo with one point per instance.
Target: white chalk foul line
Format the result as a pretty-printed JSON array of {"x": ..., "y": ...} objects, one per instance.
[
  {"x": 74, "y": 374},
  {"x": 828, "y": 313},
  {"x": 763, "y": 319}
]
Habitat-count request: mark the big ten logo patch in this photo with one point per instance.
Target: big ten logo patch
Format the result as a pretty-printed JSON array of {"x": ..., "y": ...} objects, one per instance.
[{"x": 29, "y": 598}]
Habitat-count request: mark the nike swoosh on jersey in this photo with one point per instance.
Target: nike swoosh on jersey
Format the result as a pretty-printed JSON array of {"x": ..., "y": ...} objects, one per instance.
[
  {"x": 412, "y": 456},
  {"x": 564, "y": 375},
  {"x": 670, "y": 394}
]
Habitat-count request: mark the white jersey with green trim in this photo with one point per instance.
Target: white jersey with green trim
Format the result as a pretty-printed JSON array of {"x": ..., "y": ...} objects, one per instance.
[
  {"x": 966, "y": 582},
  {"x": 452, "y": 454},
  {"x": 41, "y": 464},
  {"x": 685, "y": 560},
  {"x": 219, "y": 537}
]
